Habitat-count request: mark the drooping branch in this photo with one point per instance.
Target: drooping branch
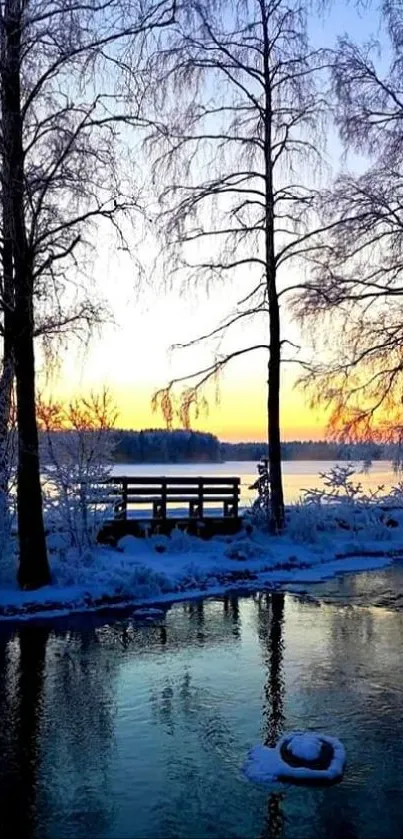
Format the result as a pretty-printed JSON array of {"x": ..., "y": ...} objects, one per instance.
[{"x": 193, "y": 395}]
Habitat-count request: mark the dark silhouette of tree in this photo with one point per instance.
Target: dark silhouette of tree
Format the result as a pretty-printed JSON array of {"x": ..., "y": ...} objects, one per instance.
[
  {"x": 62, "y": 96},
  {"x": 22, "y": 718},
  {"x": 271, "y": 619},
  {"x": 238, "y": 157}
]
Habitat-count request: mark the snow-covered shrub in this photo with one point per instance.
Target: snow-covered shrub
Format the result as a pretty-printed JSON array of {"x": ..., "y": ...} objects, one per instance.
[
  {"x": 145, "y": 583},
  {"x": 180, "y": 541},
  {"x": 305, "y": 523},
  {"x": 76, "y": 455},
  {"x": 340, "y": 505},
  {"x": 339, "y": 488},
  {"x": 244, "y": 548},
  {"x": 314, "y": 523},
  {"x": 395, "y": 497}
]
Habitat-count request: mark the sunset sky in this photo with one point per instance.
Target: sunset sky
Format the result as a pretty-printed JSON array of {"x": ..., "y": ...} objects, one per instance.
[{"x": 132, "y": 358}]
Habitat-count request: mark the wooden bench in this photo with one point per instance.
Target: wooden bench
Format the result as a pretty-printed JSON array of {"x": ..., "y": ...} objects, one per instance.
[{"x": 163, "y": 496}]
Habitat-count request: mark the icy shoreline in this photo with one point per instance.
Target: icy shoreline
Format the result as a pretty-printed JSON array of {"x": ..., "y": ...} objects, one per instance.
[{"x": 161, "y": 570}]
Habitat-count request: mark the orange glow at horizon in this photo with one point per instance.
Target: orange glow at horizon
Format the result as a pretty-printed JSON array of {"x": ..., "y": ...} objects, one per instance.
[
  {"x": 239, "y": 416},
  {"x": 132, "y": 359}
]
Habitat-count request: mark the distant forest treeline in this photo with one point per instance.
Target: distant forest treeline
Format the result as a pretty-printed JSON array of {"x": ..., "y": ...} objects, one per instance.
[
  {"x": 180, "y": 446},
  {"x": 160, "y": 446}
]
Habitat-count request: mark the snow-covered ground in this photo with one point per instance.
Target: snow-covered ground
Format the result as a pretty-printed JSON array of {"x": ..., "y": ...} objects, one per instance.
[{"x": 317, "y": 545}]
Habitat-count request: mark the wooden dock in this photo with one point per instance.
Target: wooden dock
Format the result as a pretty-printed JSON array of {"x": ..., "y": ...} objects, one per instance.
[{"x": 204, "y": 506}]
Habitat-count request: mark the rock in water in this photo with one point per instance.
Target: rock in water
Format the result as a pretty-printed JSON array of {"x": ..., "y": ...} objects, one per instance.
[{"x": 298, "y": 756}]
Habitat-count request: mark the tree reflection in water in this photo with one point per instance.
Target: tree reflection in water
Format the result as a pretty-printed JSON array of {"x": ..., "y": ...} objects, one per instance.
[
  {"x": 21, "y": 712},
  {"x": 79, "y": 736},
  {"x": 62, "y": 733},
  {"x": 270, "y": 629},
  {"x": 231, "y": 611},
  {"x": 169, "y": 708},
  {"x": 174, "y": 699}
]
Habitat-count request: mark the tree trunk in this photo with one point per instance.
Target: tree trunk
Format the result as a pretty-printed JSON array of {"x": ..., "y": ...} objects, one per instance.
[
  {"x": 273, "y": 415},
  {"x": 7, "y": 373},
  {"x": 6, "y": 390},
  {"x": 273, "y": 399},
  {"x": 33, "y": 567},
  {"x": 6, "y": 453}
]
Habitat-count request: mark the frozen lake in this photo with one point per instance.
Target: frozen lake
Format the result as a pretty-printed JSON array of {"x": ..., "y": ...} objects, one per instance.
[
  {"x": 137, "y": 730},
  {"x": 298, "y": 474}
]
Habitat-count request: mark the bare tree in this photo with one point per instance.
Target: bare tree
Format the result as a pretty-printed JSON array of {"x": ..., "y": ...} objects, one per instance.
[
  {"x": 77, "y": 445},
  {"x": 66, "y": 75},
  {"x": 239, "y": 148},
  {"x": 356, "y": 287}
]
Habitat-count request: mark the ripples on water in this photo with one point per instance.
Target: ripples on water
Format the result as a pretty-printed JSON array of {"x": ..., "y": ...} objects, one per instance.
[{"x": 127, "y": 729}]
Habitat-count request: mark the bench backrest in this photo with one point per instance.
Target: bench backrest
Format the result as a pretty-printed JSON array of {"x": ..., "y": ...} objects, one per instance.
[
  {"x": 125, "y": 491},
  {"x": 176, "y": 485}
]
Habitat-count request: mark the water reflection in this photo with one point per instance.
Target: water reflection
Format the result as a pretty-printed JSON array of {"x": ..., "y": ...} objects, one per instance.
[
  {"x": 132, "y": 730},
  {"x": 270, "y": 632},
  {"x": 179, "y": 697},
  {"x": 232, "y": 612},
  {"x": 58, "y": 701},
  {"x": 271, "y": 621},
  {"x": 21, "y": 712},
  {"x": 79, "y": 736}
]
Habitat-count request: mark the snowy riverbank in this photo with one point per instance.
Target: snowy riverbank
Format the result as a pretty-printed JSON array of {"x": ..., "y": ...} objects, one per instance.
[{"x": 161, "y": 569}]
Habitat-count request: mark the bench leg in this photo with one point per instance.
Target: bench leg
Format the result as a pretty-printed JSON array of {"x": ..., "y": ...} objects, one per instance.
[
  {"x": 229, "y": 510},
  {"x": 195, "y": 510},
  {"x": 118, "y": 511},
  {"x": 159, "y": 510}
]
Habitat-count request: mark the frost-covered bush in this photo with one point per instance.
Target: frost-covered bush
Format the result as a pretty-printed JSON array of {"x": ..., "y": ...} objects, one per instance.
[
  {"x": 182, "y": 542},
  {"x": 395, "y": 497},
  {"x": 141, "y": 582},
  {"x": 76, "y": 455},
  {"x": 340, "y": 505},
  {"x": 314, "y": 523},
  {"x": 244, "y": 548},
  {"x": 339, "y": 488},
  {"x": 305, "y": 523}
]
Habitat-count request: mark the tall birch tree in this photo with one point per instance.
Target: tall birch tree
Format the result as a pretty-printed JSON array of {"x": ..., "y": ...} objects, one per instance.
[{"x": 239, "y": 160}]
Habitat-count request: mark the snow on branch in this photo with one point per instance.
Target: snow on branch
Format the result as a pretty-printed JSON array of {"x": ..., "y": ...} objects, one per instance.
[{"x": 77, "y": 445}]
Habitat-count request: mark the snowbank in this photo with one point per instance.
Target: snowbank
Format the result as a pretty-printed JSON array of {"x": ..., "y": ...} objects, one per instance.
[
  {"x": 298, "y": 756},
  {"x": 158, "y": 568}
]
